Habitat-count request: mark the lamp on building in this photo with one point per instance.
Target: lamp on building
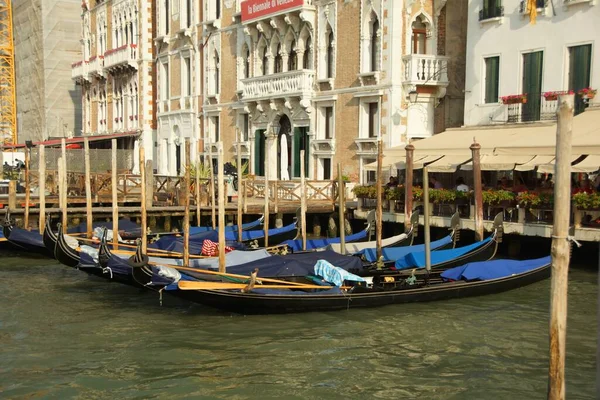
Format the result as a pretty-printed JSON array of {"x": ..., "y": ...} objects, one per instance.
[
  {"x": 412, "y": 96},
  {"x": 276, "y": 129},
  {"x": 397, "y": 118}
]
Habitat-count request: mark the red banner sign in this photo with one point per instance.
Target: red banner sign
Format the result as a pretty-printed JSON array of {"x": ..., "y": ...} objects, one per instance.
[{"x": 252, "y": 9}]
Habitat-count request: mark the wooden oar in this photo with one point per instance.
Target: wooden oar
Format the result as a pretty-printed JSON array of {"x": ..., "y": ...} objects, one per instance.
[
  {"x": 227, "y": 275},
  {"x": 189, "y": 285}
]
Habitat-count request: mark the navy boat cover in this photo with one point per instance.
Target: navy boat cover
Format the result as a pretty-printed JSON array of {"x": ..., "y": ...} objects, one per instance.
[
  {"x": 487, "y": 270},
  {"x": 395, "y": 253},
  {"x": 234, "y": 228},
  {"x": 313, "y": 244},
  {"x": 417, "y": 259},
  {"x": 300, "y": 264},
  {"x": 124, "y": 225},
  {"x": 26, "y": 238}
]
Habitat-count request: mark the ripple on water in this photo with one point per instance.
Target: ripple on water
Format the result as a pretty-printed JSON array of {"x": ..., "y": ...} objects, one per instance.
[{"x": 68, "y": 335}]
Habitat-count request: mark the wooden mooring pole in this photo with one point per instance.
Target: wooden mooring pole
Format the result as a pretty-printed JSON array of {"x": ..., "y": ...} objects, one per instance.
[
  {"x": 186, "y": 215},
  {"x": 560, "y": 248},
  {"x": 197, "y": 187},
  {"x": 221, "y": 177},
  {"x": 65, "y": 185},
  {"x": 379, "y": 211},
  {"x": 115, "y": 198},
  {"x": 42, "y": 186},
  {"x": 239, "y": 177},
  {"x": 88, "y": 188},
  {"x": 143, "y": 203},
  {"x": 426, "y": 219},
  {"x": 408, "y": 186},
  {"x": 266, "y": 226},
  {"x": 27, "y": 185},
  {"x": 477, "y": 190},
  {"x": 341, "y": 207},
  {"x": 303, "y": 199},
  {"x": 212, "y": 187}
]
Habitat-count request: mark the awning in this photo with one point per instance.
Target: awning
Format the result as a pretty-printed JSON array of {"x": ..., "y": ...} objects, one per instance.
[
  {"x": 498, "y": 163},
  {"x": 589, "y": 164},
  {"x": 78, "y": 139},
  {"x": 519, "y": 146}
]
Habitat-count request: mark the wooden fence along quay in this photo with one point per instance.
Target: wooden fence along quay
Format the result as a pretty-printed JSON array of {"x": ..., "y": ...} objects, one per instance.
[{"x": 165, "y": 195}]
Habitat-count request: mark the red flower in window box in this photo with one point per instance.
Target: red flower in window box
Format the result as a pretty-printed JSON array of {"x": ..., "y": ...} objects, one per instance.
[
  {"x": 131, "y": 117},
  {"x": 514, "y": 99},
  {"x": 588, "y": 93}
]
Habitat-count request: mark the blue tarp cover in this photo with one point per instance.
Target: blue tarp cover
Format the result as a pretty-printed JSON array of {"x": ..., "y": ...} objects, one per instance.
[
  {"x": 417, "y": 259},
  {"x": 313, "y": 244},
  {"x": 395, "y": 253},
  {"x": 487, "y": 270},
  {"x": 334, "y": 275},
  {"x": 124, "y": 225},
  {"x": 175, "y": 243},
  {"x": 26, "y": 238},
  {"x": 201, "y": 229},
  {"x": 300, "y": 264}
]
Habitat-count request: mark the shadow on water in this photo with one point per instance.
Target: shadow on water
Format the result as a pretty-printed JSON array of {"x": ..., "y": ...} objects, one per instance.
[{"x": 69, "y": 335}]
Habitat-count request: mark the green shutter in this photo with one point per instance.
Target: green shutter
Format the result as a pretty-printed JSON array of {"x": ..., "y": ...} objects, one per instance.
[
  {"x": 532, "y": 85},
  {"x": 492, "y": 66},
  {"x": 296, "y": 147},
  {"x": 259, "y": 152},
  {"x": 579, "y": 72}
]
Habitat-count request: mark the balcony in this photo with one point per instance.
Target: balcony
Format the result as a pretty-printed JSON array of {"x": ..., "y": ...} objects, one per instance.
[
  {"x": 121, "y": 57},
  {"x": 425, "y": 70},
  {"x": 96, "y": 66},
  {"x": 79, "y": 70},
  {"x": 285, "y": 84},
  {"x": 367, "y": 146},
  {"x": 540, "y": 107},
  {"x": 539, "y": 4},
  {"x": 490, "y": 13}
]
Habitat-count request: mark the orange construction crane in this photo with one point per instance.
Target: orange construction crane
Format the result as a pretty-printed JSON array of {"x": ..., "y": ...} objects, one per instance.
[{"x": 8, "y": 98}]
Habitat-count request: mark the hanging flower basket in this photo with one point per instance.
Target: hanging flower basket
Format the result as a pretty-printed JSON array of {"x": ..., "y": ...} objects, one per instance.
[
  {"x": 551, "y": 96},
  {"x": 587, "y": 93},
  {"x": 514, "y": 99}
]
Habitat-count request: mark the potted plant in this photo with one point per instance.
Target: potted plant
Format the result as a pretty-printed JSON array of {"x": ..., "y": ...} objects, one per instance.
[
  {"x": 586, "y": 201},
  {"x": 528, "y": 199},
  {"x": 514, "y": 99},
  {"x": 587, "y": 93},
  {"x": 552, "y": 95}
]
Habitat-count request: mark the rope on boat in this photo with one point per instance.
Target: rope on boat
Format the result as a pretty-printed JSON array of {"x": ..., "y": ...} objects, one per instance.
[
  {"x": 160, "y": 293},
  {"x": 568, "y": 238},
  {"x": 109, "y": 270}
]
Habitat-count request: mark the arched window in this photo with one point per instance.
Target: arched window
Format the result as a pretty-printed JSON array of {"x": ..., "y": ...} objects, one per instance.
[
  {"x": 217, "y": 67},
  {"x": 330, "y": 54},
  {"x": 278, "y": 60},
  {"x": 265, "y": 61},
  {"x": 419, "y": 36},
  {"x": 308, "y": 54},
  {"x": 374, "y": 44},
  {"x": 292, "y": 58},
  {"x": 246, "y": 55}
]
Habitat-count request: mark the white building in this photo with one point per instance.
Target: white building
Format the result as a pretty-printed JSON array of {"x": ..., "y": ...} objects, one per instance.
[{"x": 508, "y": 54}]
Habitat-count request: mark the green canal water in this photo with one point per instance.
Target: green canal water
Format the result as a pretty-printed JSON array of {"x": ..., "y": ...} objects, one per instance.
[{"x": 67, "y": 335}]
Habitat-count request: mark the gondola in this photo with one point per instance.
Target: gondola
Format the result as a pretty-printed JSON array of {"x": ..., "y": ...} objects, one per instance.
[
  {"x": 514, "y": 274},
  {"x": 402, "y": 240},
  {"x": 63, "y": 252},
  {"x": 31, "y": 241},
  {"x": 254, "y": 225}
]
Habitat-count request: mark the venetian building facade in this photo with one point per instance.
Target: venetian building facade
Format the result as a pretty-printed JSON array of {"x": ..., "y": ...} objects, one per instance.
[
  {"x": 325, "y": 76},
  {"x": 178, "y": 44},
  {"x": 116, "y": 72}
]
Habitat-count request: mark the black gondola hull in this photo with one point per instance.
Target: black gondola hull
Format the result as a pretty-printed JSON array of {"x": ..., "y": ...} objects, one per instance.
[{"x": 251, "y": 303}]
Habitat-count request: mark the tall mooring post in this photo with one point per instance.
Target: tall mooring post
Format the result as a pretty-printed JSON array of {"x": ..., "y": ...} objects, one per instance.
[
  {"x": 560, "y": 248},
  {"x": 477, "y": 191},
  {"x": 408, "y": 186}
]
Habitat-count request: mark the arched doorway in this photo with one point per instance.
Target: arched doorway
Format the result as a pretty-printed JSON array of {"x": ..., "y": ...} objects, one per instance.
[{"x": 284, "y": 149}]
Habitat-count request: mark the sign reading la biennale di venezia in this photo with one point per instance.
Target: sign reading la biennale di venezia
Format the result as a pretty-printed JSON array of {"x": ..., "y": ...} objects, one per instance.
[{"x": 252, "y": 9}]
